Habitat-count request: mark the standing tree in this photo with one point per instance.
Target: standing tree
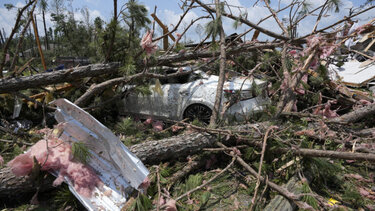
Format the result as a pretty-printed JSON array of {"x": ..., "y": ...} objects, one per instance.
[
  {"x": 112, "y": 30},
  {"x": 135, "y": 18},
  {"x": 43, "y": 7},
  {"x": 218, "y": 27}
]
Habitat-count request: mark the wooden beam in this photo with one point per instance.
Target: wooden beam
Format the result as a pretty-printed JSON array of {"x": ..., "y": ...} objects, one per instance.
[
  {"x": 165, "y": 31},
  {"x": 38, "y": 42}
]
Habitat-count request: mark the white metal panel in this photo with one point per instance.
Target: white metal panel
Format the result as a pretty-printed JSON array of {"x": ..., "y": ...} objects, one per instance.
[{"x": 118, "y": 168}]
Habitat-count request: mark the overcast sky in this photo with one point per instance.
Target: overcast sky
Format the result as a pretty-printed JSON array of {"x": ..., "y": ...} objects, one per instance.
[{"x": 169, "y": 12}]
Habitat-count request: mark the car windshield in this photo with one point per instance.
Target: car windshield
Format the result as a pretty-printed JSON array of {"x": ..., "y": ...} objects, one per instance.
[{"x": 180, "y": 79}]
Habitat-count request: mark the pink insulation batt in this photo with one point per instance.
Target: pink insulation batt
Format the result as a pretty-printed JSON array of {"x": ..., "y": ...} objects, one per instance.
[{"x": 58, "y": 158}]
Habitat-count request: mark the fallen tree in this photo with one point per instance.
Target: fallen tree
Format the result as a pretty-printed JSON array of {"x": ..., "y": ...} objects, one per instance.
[
  {"x": 177, "y": 147},
  {"x": 190, "y": 55},
  {"x": 44, "y": 79}
]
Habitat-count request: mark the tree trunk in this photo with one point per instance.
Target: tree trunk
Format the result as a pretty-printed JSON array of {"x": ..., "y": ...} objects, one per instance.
[
  {"x": 220, "y": 85},
  {"x": 19, "y": 46},
  {"x": 45, "y": 32},
  {"x": 11, "y": 185},
  {"x": 179, "y": 57},
  {"x": 43, "y": 79},
  {"x": 1, "y": 39},
  {"x": 152, "y": 152},
  {"x": 280, "y": 203},
  {"x": 355, "y": 116},
  {"x": 113, "y": 35},
  {"x": 14, "y": 30}
]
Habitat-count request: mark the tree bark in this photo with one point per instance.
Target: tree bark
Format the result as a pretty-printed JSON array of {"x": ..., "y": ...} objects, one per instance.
[
  {"x": 43, "y": 79},
  {"x": 97, "y": 88},
  {"x": 113, "y": 35},
  {"x": 11, "y": 185},
  {"x": 19, "y": 46},
  {"x": 45, "y": 31},
  {"x": 178, "y": 57},
  {"x": 355, "y": 115},
  {"x": 152, "y": 152},
  {"x": 220, "y": 84},
  {"x": 280, "y": 203},
  {"x": 245, "y": 21}
]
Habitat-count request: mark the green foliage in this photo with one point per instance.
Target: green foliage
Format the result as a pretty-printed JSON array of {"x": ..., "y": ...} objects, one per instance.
[
  {"x": 213, "y": 27},
  {"x": 334, "y": 5},
  {"x": 80, "y": 152},
  {"x": 9, "y": 6},
  {"x": 321, "y": 79},
  {"x": 144, "y": 90},
  {"x": 309, "y": 199},
  {"x": 198, "y": 123},
  {"x": 127, "y": 127},
  {"x": 249, "y": 153},
  {"x": 352, "y": 196},
  {"x": 129, "y": 68},
  {"x": 64, "y": 199},
  {"x": 329, "y": 177},
  {"x": 135, "y": 17},
  {"x": 142, "y": 203},
  {"x": 191, "y": 182},
  {"x": 205, "y": 197}
]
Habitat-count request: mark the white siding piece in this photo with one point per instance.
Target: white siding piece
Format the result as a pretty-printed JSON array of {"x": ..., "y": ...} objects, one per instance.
[
  {"x": 118, "y": 168},
  {"x": 352, "y": 74}
]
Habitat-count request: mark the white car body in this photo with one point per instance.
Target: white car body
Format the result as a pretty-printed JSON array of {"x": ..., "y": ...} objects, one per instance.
[{"x": 200, "y": 89}]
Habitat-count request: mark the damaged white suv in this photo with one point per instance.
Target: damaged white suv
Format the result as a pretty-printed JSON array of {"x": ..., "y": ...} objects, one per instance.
[{"x": 193, "y": 96}]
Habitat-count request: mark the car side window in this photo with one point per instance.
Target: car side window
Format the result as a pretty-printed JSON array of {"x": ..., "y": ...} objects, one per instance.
[
  {"x": 181, "y": 79},
  {"x": 194, "y": 76}
]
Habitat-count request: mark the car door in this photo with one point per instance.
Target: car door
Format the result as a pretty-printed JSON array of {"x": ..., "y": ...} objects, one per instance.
[
  {"x": 174, "y": 96},
  {"x": 141, "y": 104},
  {"x": 170, "y": 101}
]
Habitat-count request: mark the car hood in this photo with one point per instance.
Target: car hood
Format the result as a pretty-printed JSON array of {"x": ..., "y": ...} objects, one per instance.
[
  {"x": 242, "y": 83},
  {"x": 236, "y": 83}
]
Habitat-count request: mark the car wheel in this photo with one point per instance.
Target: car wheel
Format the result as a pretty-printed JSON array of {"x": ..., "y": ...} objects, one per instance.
[{"x": 198, "y": 111}]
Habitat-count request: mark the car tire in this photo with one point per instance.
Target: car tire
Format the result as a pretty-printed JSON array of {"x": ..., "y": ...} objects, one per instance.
[{"x": 198, "y": 111}]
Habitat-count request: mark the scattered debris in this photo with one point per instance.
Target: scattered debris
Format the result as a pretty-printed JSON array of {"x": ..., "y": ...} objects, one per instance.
[
  {"x": 111, "y": 173},
  {"x": 290, "y": 116}
]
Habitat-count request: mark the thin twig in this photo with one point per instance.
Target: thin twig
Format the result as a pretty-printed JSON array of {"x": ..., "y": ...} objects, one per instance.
[
  {"x": 260, "y": 165},
  {"x": 204, "y": 184},
  {"x": 283, "y": 191},
  {"x": 159, "y": 191}
]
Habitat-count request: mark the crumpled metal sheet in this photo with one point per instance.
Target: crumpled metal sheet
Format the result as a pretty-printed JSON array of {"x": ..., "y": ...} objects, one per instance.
[
  {"x": 353, "y": 73},
  {"x": 119, "y": 169}
]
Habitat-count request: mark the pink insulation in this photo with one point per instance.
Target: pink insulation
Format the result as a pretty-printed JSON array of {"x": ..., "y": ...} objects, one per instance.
[
  {"x": 171, "y": 205},
  {"x": 21, "y": 165},
  {"x": 1, "y": 160},
  {"x": 147, "y": 44},
  {"x": 59, "y": 158},
  {"x": 145, "y": 184},
  {"x": 362, "y": 28},
  {"x": 158, "y": 126}
]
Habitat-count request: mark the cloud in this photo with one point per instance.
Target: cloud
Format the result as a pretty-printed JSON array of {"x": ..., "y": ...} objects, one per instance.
[
  {"x": 8, "y": 18},
  {"x": 171, "y": 18}
]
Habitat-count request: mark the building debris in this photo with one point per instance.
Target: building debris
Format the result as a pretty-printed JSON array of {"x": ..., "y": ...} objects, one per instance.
[
  {"x": 119, "y": 169},
  {"x": 115, "y": 173}
]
